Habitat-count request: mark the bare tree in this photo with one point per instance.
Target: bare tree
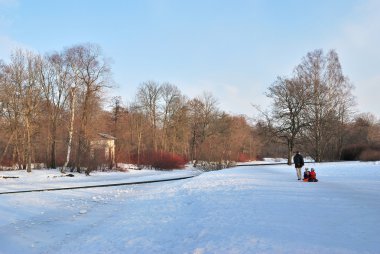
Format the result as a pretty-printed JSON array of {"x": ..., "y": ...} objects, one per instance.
[
  {"x": 10, "y": 108},
  {"x": 202, "y": 111},
  {"x": 71, "y": 126},
  {"x": 92, "y": 75},
  {"x": 177, "y": 128},
  {"x": 331, "y": 97},
  {"x": 172, "y": 103},
  {"x": 345, "y": 104},
  {"x": 24, "y": 83},
  {"x": 290, "y": 100},
  {"x": 13, "y": 76},
  {"x": 313, "y": 106},
  {"x": 148, "y": 97},
  {"x": 55, "y": 81},
  {"x": 119, "y": 120}
]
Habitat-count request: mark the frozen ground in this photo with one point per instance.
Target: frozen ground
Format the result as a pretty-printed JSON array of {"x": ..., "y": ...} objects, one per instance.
[{"x": 261, "y": 209}]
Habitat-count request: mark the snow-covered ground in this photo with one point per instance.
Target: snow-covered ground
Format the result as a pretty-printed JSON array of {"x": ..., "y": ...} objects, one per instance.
[
  {"x": 50, "y": 179},
  {"x": 261, "y": 209},
  {"x": 272, "y": 161}
]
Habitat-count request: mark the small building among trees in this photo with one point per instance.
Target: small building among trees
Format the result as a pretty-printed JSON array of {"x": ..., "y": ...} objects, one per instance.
[{"x": 102, "y": 150}]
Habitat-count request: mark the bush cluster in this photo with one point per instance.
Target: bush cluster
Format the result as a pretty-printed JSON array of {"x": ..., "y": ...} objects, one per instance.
[
  {"x": 160, "y": 160},
  {"x": 361, "y": 152}
]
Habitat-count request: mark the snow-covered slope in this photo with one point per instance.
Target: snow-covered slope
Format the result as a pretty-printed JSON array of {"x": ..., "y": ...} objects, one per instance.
[{"x": 261, "y": 209}]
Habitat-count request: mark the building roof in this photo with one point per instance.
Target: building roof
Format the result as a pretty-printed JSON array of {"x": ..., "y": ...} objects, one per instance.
[{"x": 106, "y": 136}]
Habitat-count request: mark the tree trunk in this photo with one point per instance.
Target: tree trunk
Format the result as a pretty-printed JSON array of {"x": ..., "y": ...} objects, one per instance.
[
  {"x": 71, "y": 130},
  {"x": 193, "y": 143},
  {"x": 139, "y": 147},
  {"x": 289, "y": 157},
  {"x": 28, "y": 146},
  {"x": 53, "y": 145},
  {"x": 290, "y": 152},
  {"x": 82, "y": 133},
  {"x": 53, "y": 154}
]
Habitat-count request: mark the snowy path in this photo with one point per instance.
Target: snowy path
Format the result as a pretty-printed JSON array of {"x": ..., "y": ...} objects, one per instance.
[
  {"x": 53, "y": 179},
  {"x": 239, "y": 210}
]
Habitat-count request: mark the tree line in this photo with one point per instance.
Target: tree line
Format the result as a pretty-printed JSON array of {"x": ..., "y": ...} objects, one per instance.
[
  {"x": 54, "y": 105},
  {"x": 313, "y": 111}
]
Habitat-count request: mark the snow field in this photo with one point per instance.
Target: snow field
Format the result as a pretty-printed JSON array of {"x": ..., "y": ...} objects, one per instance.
[{"x": 261, "y": 209}]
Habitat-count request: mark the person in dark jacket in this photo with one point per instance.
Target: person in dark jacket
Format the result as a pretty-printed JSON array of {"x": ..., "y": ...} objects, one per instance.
[{"x": 298, "y": 162}]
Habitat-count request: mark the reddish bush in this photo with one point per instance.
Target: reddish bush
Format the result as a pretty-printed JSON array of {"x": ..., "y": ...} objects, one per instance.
[
  {"x": 370, "y": 155},
  {"x": 7, "y": 162},
  {"x": 160, "y": 160},
  {"x": 243, "y": 157}
]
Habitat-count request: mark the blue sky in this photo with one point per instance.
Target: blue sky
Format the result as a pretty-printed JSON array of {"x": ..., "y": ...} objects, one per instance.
[{"x": 233, "y": 49}]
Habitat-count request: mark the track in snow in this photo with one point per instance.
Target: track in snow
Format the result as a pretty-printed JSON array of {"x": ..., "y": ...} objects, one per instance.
[{"x": 101, "y": 185}]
